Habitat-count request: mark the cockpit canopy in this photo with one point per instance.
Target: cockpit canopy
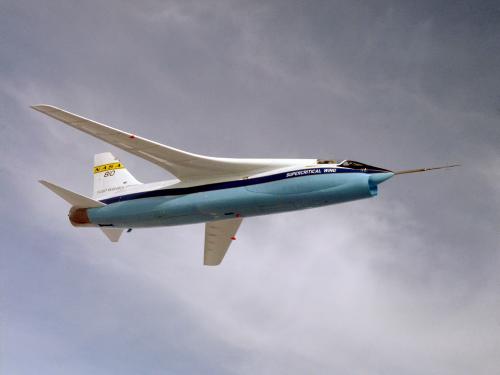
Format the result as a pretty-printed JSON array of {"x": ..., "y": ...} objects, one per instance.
[
  {"x": 326, "y": 161},
  {"x": 352, "y": 164}
]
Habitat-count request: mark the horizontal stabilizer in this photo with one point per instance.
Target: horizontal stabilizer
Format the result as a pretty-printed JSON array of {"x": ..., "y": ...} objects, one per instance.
[
  {"x": 113, "y": 233},
  {"x": 76, "y": 200}
]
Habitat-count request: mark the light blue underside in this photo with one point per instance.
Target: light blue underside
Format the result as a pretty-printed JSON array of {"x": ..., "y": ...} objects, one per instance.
[{"x": 272, "y": 197}]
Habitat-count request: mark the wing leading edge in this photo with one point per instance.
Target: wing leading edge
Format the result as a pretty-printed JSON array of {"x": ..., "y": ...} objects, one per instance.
[{"x": 186, "y": 166}]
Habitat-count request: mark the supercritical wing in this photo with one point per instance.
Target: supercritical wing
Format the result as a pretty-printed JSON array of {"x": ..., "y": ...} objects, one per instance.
[{"x": 186, "y": 166}]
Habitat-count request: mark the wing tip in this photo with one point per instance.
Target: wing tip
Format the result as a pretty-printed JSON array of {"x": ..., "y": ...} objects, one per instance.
[
  {"x": 212, "y": 264},
  {"x": 42, "y": 107}
]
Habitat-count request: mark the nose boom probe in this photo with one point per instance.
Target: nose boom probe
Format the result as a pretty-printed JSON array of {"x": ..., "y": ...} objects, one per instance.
[{"x": 425, "y": 169}]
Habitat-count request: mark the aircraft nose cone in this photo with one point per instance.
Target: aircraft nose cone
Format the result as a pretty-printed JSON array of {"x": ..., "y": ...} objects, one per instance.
[{"x": 378, "y": 178}]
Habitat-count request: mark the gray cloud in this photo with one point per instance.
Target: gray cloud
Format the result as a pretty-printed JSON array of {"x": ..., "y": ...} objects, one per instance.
[{"x": 404, "y": 283}]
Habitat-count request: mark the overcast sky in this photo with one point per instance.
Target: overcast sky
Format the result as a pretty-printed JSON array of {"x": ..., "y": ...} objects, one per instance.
[{"x": 404, "y": 283}]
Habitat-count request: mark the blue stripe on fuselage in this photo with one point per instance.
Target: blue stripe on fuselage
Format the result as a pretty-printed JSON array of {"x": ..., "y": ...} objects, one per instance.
[{"x": 233, "y": 184}]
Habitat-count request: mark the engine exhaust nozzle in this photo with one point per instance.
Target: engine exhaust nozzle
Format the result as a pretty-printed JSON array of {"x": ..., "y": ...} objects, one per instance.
[{"x": 78, "y": 216}]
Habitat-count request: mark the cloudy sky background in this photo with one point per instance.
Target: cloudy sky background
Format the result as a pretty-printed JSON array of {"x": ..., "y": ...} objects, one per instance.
[{"x": 406, "y": 283}]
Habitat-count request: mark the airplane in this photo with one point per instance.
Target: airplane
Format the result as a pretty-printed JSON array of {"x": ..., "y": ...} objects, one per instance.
[{"x": 217, "y": 191}]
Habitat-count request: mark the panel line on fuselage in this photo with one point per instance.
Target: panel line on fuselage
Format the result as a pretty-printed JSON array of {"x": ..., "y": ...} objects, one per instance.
[{"x": 234, "y": 183}]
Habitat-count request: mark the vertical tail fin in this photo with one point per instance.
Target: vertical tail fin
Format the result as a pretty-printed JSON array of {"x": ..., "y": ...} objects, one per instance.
[{"x": 110, "y": 176}]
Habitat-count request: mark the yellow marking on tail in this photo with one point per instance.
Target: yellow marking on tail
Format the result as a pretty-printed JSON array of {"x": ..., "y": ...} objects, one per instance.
[{"x": 108, "y": 167}]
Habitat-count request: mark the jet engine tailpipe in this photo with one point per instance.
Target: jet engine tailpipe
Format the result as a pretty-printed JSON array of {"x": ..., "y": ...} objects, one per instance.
[{"x": 78, "y": 217}]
